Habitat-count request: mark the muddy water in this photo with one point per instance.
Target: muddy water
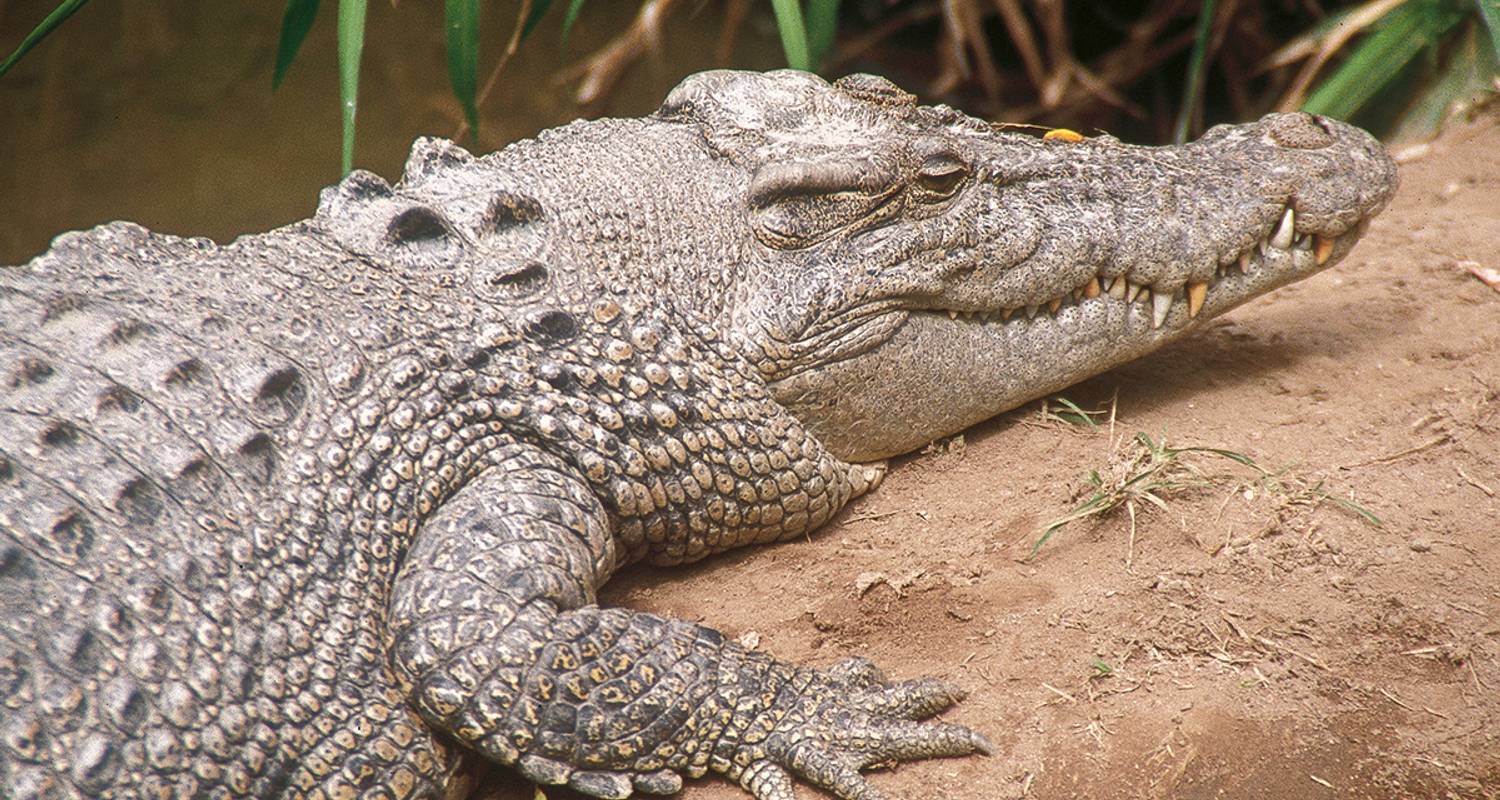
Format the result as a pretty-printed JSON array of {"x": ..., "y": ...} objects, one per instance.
[{"x": 162, "y": 112}]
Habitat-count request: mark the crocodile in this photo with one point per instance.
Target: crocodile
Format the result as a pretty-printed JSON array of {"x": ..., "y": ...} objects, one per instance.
[{"x": 323, "y": 512}]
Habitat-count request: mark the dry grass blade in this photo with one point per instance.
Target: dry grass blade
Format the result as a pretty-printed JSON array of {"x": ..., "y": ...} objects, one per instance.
[
  {"x": 523, "y": 14},
  {"x": 858, "y": 46},
  {"x": 1335, "y": 39},
  {"x": 602, "y": 70},
  {"x": 963, "y": 27},
  {"x": 1143, "y": 473},
  {"x": 1150, "y": 472},
  {"x": 1053, "y": 22},
  {"x": 1021, "y": 34},
  {"x": 735, "y": 12}
]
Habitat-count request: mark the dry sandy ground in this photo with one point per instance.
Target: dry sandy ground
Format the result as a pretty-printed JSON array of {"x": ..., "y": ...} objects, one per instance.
[{"x": 1246, "y": 641}]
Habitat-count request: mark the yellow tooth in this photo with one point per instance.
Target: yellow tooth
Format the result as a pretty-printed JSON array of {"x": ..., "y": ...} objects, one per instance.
[
  {"x": 1132, "y": 291},
  {"x": 1054, "y": 305},
  {"x": 1091, "y": 289},
  {"x": 1005, "y": 314},
  {"x": 952, "y": 314},
  {"x": 1244, "y": 261},
  {"x": 1322, "y": 249},
  {"x": 1117, "y": 288},
  {"x": 1195, "y": 294}
]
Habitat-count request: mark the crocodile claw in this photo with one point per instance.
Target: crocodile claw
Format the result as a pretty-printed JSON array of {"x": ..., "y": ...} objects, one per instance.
[{"x": 849, "y": 720}]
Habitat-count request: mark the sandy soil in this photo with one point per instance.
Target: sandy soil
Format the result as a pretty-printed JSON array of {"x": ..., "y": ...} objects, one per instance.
[{"x": 1257, "y": 644}]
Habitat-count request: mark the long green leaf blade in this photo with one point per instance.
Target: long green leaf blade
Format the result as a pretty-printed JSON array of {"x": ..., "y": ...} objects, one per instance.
[
  {"x": 533, "y": 18},
  {"x": 351, "y": 47},
  {"x": 462, "y": 17},
  {"x": 1196, "y": 67},
  {"x": 570, "y": 17},
  {"x": 822, "y": 25},
  {"x": 58, "y": 16},
  {"x": 1376, "y": 61},
  {"x": 294, "y": 26},
  {"x": 793, "y": 33}
]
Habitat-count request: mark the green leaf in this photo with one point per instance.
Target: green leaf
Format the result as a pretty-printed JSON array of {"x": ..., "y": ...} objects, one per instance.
[
  {"x": 1379, "y": 58},
  {"x": 1197, "y": 63},
  {"x": 1367, "y": 514},
  {"x": 1229, "y": 454},
  {"x": 538, "y": 10},
  {"x": 351, "y": 47},
  {"x": 462, "y": 18},
  {"x": 822, "y": 24},
  {"x": 571, "y": 16},
  {"x": 56, "y": 18},
  {"x": 294, "y": 26},
  {"x": 793, "y": 33},
  {"x": 1077, "y": 416}
]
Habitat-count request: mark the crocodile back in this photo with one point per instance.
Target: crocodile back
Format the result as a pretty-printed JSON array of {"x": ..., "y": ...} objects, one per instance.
[{"x": 141, "y": 429}]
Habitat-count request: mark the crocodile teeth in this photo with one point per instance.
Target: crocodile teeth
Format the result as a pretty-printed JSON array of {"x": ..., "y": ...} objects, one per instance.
[
  {"x": 1282, "y": 238},
  {"x": 1031, "y": 311},
  {"x": 1322, "y": 249},
  {"x": 1196, "y": 292},
  {"x": 1244, "y": 261},
  {"x": 1006, "y": 313},
  {"x": 1132, "y": 291},
  {"x": 1117, "y": 288},
  {"x": 1092, "y": 289},
  {"x": 1161, "y": 303},
  {"x": 952, "y": 314},
  {"x": 1054, "y": 305}
]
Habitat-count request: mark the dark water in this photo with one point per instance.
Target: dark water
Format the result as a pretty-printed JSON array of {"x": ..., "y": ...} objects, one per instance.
[{"x": 162, "y": 112}]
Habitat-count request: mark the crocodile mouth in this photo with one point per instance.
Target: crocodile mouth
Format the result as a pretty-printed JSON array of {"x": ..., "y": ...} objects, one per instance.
[{"x": 1282, "y": 255}]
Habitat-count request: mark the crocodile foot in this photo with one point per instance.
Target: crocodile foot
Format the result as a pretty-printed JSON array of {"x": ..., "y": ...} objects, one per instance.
[{"x": 848, "y": 719}]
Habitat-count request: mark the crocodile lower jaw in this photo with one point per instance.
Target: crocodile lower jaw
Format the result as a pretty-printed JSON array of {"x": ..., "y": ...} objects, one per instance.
[{"x": 1237, "y": 278}]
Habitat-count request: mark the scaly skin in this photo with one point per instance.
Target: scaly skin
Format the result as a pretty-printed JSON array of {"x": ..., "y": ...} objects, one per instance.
[{"x": 324, "y": 512}]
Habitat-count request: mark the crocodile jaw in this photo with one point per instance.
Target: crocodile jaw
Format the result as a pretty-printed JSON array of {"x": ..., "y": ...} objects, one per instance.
[{"x": 1007, "y": 357}]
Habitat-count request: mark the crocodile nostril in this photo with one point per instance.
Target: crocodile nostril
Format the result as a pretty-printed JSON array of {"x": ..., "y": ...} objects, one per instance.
[{"x": 1299, "y": 131}]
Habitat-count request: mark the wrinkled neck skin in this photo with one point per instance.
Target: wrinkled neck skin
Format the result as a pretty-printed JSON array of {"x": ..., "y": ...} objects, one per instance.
[{"x": 914, "y": 271}]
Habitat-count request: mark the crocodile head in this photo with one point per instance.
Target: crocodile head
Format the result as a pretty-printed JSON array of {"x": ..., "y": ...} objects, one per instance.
[{"x": 916, "y": 270}]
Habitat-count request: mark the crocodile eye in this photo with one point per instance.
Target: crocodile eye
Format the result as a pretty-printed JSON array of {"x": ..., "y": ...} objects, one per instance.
[{"x": 940, "y": 177}]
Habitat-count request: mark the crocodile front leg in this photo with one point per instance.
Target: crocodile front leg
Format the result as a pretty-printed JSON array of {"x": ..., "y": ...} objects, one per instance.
[{"x": 497, "y": 639}]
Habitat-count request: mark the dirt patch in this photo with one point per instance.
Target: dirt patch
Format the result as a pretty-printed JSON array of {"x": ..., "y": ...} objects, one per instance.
[{"x": 1247, "y": 641}]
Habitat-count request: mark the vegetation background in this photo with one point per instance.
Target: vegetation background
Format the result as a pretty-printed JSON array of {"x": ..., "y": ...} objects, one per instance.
[{"x": 215, "y": 118}]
